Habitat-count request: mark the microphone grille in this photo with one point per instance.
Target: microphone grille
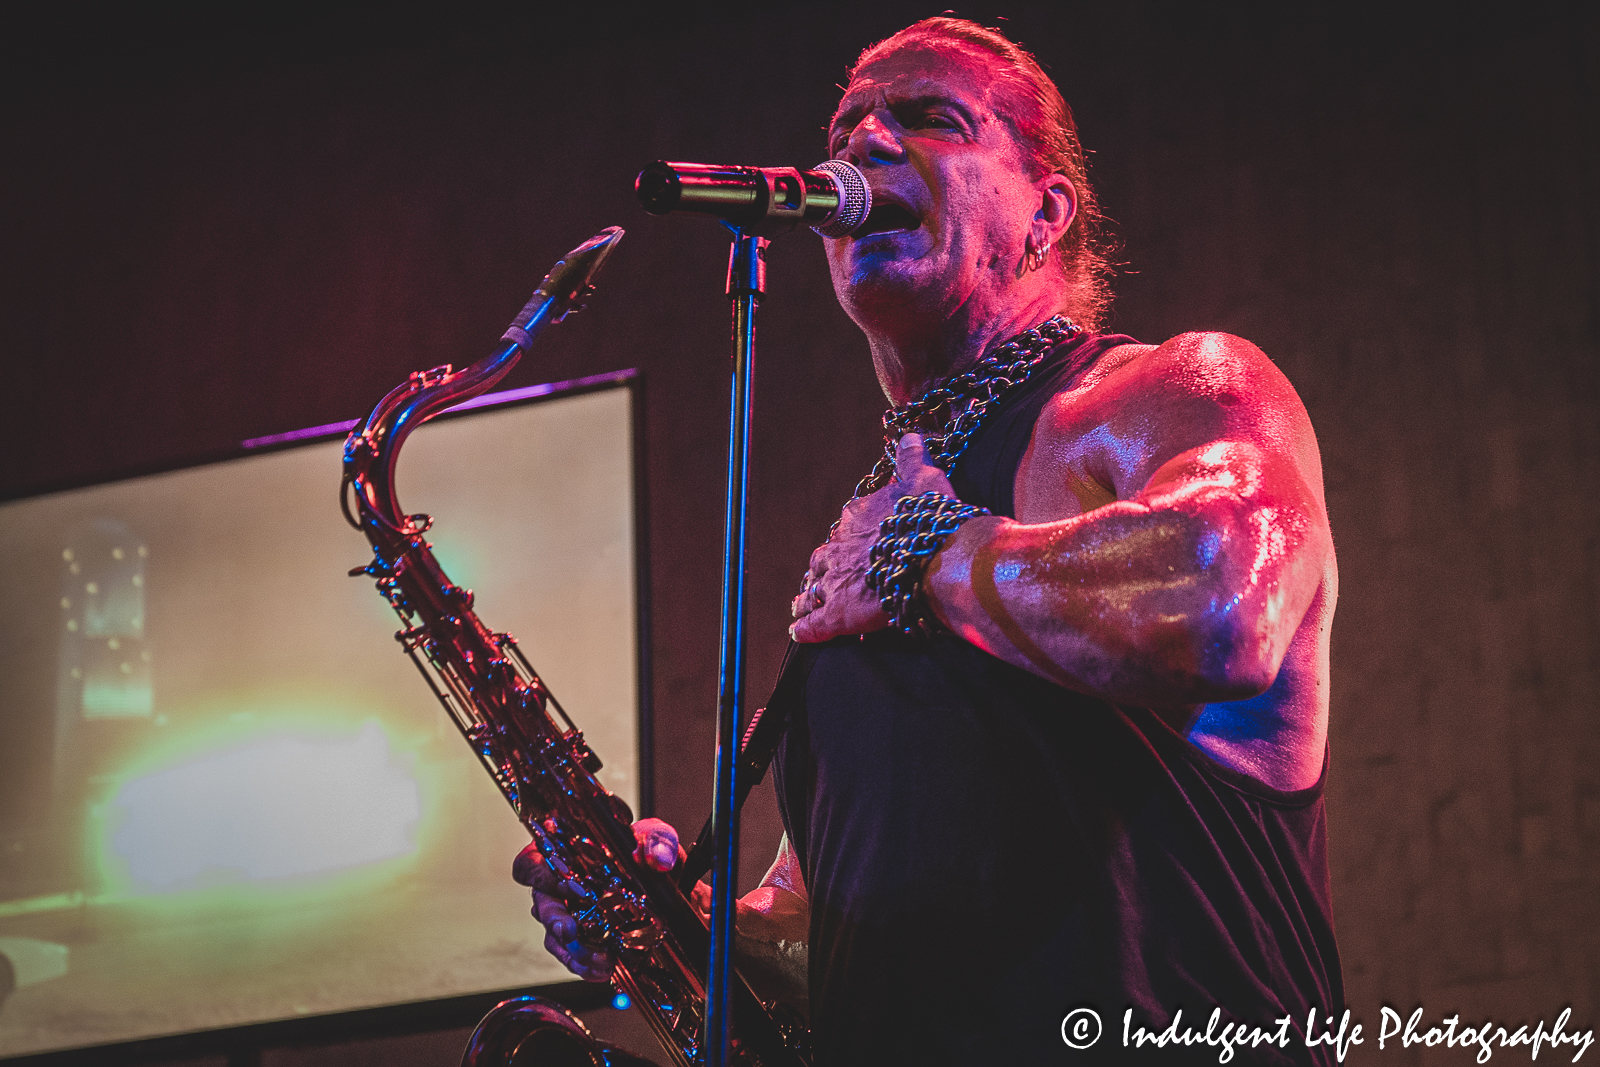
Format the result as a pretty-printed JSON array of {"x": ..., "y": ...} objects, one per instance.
[{"x": 855, "y": 199}]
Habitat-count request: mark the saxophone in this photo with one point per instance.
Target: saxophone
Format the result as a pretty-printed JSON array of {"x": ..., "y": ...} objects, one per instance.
[{"x": 533, "y": 751}]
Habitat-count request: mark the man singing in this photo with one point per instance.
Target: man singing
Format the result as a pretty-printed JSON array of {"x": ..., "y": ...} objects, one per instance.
[{"x": 1065, "y": 749}]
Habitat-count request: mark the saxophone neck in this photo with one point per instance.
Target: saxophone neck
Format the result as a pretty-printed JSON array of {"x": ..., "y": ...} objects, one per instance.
[{"x": 373, "y": 448}]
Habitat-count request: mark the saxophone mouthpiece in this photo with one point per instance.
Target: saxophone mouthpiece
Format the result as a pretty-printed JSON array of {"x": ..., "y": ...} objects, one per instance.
[
  {"x": 563, "y": 290},
  {"x": 572, "y": 278}
]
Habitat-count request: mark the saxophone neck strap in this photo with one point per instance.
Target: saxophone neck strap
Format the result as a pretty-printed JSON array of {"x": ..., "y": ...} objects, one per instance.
[{"x": 759, "y": 745}]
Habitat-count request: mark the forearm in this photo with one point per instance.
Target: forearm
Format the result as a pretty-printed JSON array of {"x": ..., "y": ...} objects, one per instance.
[
  {"x": 768, "y": 913},
  {"x": 770, "y": 945},
  {"x": 779, "y": 909},
  {"x": 771, "y": 927},
  {"x": 1159, "y": 606}
]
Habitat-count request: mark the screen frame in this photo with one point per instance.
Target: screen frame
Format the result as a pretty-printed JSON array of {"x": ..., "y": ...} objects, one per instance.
[{"x": 242, "y": 1044}]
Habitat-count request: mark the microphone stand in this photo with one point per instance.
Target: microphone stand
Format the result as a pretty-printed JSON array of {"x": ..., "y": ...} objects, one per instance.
[
  {"x": 833, "y": 199},
  {"x": 747, "y": 278}
]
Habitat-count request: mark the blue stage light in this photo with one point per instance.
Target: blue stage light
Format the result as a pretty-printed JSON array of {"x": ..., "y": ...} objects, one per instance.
[{"x": 621, "y": 1002}]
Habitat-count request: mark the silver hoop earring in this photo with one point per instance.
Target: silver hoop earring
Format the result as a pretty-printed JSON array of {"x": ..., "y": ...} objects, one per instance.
[{"x": 1036, "y": 257}]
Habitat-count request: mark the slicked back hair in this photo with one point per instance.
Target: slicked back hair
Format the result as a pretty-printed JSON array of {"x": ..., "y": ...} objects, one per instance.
[{"x": 1042, "y": 124}]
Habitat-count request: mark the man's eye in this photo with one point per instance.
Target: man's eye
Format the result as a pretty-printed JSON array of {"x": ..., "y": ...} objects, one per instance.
[{"x": 939, "y": 122}]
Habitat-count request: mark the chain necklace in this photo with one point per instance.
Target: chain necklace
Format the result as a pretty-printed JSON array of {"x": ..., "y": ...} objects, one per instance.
[{"x": 949, "y": 415}]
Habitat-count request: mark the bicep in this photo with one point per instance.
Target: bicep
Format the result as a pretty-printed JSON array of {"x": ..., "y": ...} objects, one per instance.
[
  {"x": 1205, "y": 438},
  {"x": 1254, "y": 498},
  {"x": 1201, "y": 411}
]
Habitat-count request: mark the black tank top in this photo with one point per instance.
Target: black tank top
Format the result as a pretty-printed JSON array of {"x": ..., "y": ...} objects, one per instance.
[{"x": 986, "y": 851}]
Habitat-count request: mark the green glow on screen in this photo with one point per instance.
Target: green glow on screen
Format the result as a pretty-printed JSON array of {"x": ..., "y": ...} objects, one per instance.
[
  {"x": 273, "y": 797},
  {"x": 116, "y": 698}
]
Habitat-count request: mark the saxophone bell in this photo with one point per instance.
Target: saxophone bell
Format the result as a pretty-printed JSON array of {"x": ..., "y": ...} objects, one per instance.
[{"x": 534, "y": 1032}]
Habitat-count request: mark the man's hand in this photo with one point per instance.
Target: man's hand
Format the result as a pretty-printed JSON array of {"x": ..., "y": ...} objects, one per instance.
[
  {"x": 656, "y": 846},
  {"x": 836, "y": 599}
]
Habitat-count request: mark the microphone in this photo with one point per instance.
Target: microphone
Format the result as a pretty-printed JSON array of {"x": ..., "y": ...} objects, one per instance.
[{"x": 833, "y": 199}]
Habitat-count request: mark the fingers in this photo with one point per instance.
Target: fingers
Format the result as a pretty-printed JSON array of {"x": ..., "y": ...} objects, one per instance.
[
  {"x": 530, "y": 869},
  {"x": 809, "y": 596},
  {"x": 809, "y": 628},
  {"x": 553, "y": 914},
  {"x": 810, "y": 599},
  {"x": 658, "y": 846},
  {"x": 592, "y": 965},
  {"x": 550, "y": 908},
  {"x": 700, "y": 900},
  {"x": 561, "y": 940},
  {"x": 798, "y": 634},
  {"x": 855, "y": 612}
]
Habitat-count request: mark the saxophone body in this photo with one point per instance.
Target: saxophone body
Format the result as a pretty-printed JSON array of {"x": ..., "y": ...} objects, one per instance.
[{"x": 532, "y": 750}]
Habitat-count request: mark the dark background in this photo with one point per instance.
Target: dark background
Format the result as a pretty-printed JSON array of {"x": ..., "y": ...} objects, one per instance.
[{"x": 223, "y": 225}]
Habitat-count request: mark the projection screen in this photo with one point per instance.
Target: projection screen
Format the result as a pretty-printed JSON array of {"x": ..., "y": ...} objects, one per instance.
[{"x": 225, "y": 795}]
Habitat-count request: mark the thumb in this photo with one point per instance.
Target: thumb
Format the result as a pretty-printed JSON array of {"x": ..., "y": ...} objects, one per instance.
[
  {"x": 915, "y": 469},
  {"x": 910, "y": 452}
]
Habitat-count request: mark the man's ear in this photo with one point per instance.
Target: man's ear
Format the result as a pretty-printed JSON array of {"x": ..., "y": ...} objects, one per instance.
[{"x": 1058, "y": 206}]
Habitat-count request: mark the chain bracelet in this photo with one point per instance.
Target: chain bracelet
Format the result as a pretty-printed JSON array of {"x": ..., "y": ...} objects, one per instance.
[
  {"x": 949, "y": 415},
  {"x": 906, "y": 540}
]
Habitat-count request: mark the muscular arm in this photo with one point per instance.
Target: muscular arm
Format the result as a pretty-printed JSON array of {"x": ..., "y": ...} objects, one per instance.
[
  {"x": 779, "y": 908},
  {"x": 772, "y": 926},
  {"x": 1172, "y": 533},
  {"x": 1170, "y": 550}
]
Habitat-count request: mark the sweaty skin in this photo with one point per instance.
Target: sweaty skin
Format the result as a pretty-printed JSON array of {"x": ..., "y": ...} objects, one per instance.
[
  {"x": 1171, "y": 550},
  {"x": 945, "y": 278},
  {"x": 1171, "y": 547}
]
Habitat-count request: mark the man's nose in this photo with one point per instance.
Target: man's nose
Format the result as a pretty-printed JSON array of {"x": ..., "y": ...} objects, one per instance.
[{"x": 873, "y": 141}]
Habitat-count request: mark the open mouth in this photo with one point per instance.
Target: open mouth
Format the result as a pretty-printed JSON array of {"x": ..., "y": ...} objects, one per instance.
[{"x": 888, "y": 218}]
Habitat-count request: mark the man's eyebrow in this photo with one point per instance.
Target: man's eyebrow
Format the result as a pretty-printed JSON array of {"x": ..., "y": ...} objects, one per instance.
[
  {"x": 921, "y": 101},
  {"x": 848, "y": 116},
  {"x": 925, "y": 101}
]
